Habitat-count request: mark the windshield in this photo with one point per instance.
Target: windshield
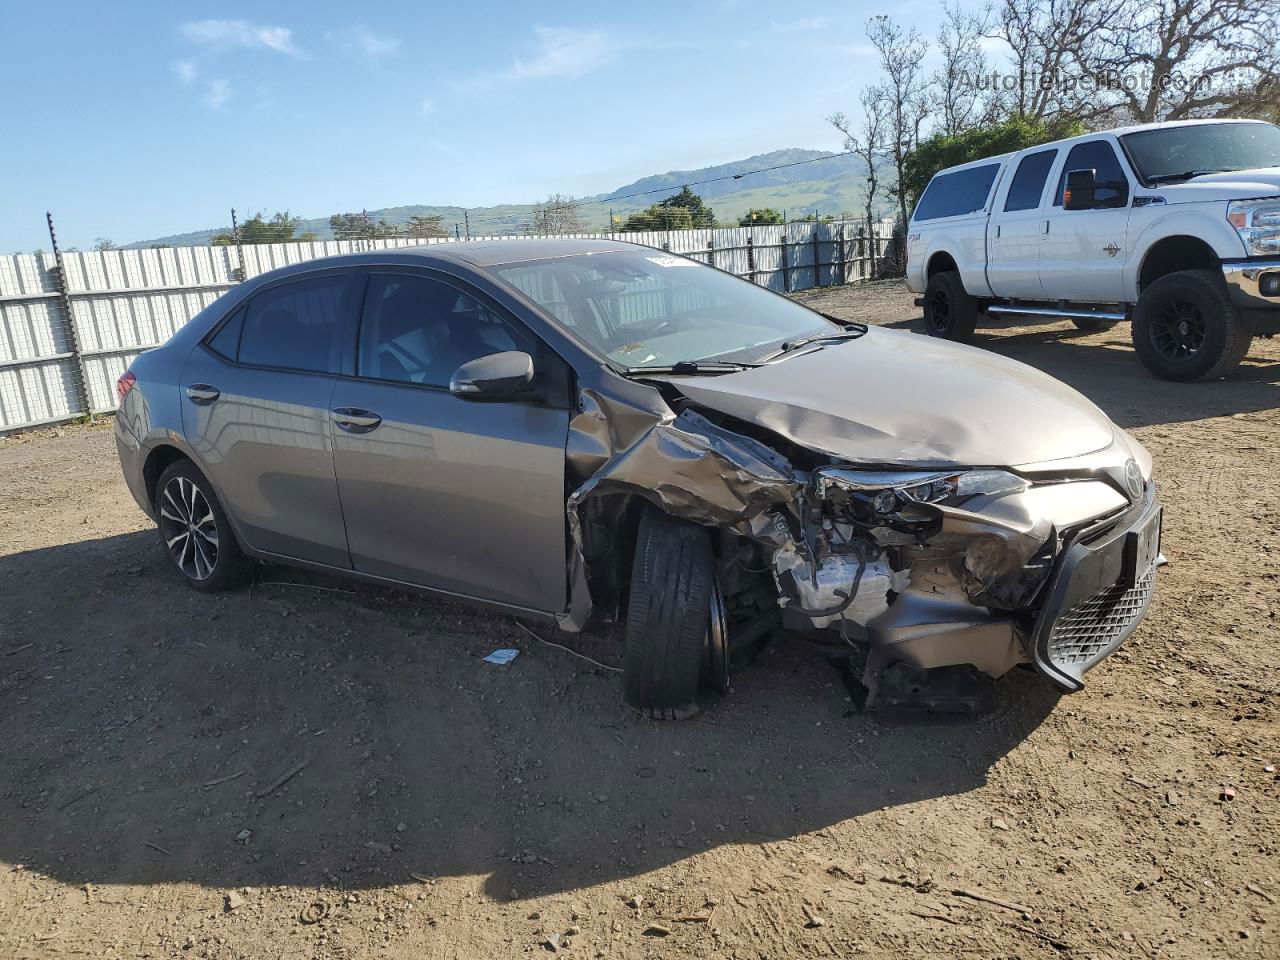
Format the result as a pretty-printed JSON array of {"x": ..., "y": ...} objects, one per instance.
[
  {"x": 644, "y": 308},
  {"x": 1203, "y": 148}
]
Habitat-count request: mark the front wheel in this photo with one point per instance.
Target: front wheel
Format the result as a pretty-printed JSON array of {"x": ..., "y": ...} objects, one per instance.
[
  {"x": 1186, "y": 328},
  {"x": 195, "y": 532},
  {"x": 675, "y": 634},
  {"x": 949, "y": 312}
]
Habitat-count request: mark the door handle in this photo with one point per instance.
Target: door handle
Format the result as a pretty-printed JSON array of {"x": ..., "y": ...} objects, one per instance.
[
  {"x": 203, "y": 393},
  {"x": 1044, "y": 227},
  {"x": 355, "y": 420}
]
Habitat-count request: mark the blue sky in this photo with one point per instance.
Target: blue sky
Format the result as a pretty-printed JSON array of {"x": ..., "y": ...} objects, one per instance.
[{"x": 138, "y": 119}]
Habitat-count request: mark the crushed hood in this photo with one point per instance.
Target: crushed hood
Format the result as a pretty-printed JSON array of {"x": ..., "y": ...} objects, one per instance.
[
  {"x": 1232, "y": 185},
  {"x": 898, "y": 398}
]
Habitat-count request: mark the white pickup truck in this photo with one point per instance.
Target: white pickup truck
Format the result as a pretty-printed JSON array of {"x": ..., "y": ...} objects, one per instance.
[{"x": 1173, "y": 226}]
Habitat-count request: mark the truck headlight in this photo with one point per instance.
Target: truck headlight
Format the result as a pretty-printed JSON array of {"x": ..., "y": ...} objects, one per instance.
[{"x": 1258, "y": 223}]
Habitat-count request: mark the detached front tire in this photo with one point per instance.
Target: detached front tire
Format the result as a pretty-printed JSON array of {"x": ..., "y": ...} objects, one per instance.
[
  {"x": 949, "y": 312},
  {"x": 670, "y": 618},
  {"x": 1186, "y": 328}
]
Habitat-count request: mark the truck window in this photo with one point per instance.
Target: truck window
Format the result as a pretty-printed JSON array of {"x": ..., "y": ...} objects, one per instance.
[
  {"x": 1113, "y": 186},
  {"x": 1028, "y": 183},
  {"x": 954, "y": 194}
]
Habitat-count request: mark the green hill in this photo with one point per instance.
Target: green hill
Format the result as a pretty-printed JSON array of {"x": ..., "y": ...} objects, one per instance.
[{"x": 814, "y": 185}]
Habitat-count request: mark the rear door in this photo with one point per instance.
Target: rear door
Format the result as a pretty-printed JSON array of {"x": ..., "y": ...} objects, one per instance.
[
  {"x": 457, "y": 495},
  {"x": 255, "y": 401},
  {"x": 1084, "y": 252},
  {"x": 1018, "y": 228}
]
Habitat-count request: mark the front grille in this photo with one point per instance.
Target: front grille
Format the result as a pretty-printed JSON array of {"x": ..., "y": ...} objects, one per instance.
[{"x": 1093, "y": 627}]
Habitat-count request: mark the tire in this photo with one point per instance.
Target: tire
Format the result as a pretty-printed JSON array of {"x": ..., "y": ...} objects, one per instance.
[
  {"x": 668, "y": 616},
  {"x": 1186, "y": 328},
  {"x": 1093, "y": 324},
  {"x": 194, "y": 531},
  {"x": 949, "y": 312}
]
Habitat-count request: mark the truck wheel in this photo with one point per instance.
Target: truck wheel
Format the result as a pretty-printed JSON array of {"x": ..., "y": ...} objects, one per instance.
[
  {"x": 1093, "y": 324},
  {"x": 1186, "y": 327},
  {"x": 949, "y": 312},
  {"x": 669, "y": 617}
]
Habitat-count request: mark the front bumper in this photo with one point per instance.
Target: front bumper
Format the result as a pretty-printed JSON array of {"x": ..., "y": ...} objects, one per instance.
[
  {"x": 1094, "y": 598},
  {"x": 1244, "y": 281}
]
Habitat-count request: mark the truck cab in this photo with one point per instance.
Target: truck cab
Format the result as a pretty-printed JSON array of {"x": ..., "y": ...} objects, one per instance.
[{"x": 1173, "y": 226}]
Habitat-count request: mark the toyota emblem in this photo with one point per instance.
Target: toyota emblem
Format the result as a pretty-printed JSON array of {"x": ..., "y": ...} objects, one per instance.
[{"x": 1133, "y": 479}]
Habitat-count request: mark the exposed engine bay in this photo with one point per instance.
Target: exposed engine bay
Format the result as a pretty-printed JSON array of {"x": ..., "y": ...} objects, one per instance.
[{"x": 917, "y": 569}]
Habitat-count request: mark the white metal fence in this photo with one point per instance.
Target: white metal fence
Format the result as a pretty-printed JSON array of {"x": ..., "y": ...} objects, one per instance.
[{"x": 67, "y": 333}]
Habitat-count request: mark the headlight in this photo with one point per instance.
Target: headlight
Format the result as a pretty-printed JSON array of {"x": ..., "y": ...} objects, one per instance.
[
  {"x": 881, "y": 492},
  {"x": 1258, "y": 223}
]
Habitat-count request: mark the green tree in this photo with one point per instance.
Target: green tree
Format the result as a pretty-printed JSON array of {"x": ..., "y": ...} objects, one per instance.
[
  {"x": 361, "y": 226},
  {"x": 940, "y": 151},
  {"x": 700, "y": 214},
  {"x": 658, "y": 217},
  {"x": 759, "y": 217},
  {"x": 258, "y": 229},
  {"x": 103, "y": 243},
  {"x": 421, "y": 227}
]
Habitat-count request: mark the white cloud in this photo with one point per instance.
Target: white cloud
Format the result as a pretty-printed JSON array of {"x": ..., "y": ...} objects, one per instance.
[
  {"x": 216, "y": 93},
  {"x": 185, "y": 69},
  {"x": 428, "y": 106},
  {"x": 361, "y": 39},
  {"x": 564, "y": 52},
  {"x": 240, "y": 33}
]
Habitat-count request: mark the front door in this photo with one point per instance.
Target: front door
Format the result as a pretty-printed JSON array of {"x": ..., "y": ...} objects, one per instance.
[
  {"x": 255, "y": 409},
  {"x": 1084, "y": 252},
  {"x": 453, "y": 494}
]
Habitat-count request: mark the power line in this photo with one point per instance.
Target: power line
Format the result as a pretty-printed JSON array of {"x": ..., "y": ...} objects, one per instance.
[{"x": 695, "y": 183}]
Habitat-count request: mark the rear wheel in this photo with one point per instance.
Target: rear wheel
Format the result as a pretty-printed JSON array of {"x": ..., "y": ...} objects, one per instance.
[
  {"x": 949, "y": 312},
  {"x": 1186, "y": 327},
  {"x": 675, "y": 635},
  {"x": 195, "y": 532}
]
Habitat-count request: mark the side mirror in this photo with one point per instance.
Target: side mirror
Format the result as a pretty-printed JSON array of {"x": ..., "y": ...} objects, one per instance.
[
  {"x": 498, "y": 376},
  {"x": 1081, "y": 190}
]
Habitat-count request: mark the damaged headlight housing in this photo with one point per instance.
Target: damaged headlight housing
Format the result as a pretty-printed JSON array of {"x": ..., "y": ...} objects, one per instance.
[{"x": 885, "y": 492}]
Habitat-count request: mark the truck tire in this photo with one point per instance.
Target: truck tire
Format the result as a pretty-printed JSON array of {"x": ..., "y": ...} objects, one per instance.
[
  {"x": 1186, "y": 328},
  {"x": 668, "y": 617},
  {"x": 1093, "y": 324},
  {"x": 949, "y": 312}
]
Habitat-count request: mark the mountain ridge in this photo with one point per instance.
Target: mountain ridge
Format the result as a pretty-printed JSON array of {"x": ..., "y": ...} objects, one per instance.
[{"x": 808, "y": 182}]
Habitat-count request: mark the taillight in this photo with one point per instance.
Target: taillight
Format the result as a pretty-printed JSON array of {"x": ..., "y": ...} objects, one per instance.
[{"x": 125, "y": 384}]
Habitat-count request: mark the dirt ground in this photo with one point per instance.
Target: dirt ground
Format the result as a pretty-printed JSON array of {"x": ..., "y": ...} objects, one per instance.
[{"x": 309, "y": 768}]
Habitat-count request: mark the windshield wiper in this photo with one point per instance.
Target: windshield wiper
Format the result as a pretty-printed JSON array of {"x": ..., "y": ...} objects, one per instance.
[
  {"x": 692, "y": 368},
  {"x": 1185, "y": 175},
  {"x": 791, "y": 345}
]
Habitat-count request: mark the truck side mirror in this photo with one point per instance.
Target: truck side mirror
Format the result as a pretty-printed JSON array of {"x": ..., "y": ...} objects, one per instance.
[{"x": 1081, "y": 190}]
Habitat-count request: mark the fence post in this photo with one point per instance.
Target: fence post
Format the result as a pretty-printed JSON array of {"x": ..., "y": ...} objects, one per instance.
[
  {"x": 844, "y": 271},
  {"x": 235, "y": 235},
  {"x": 871, "y": 250},
  {"x": 786, "y": 262},
  {"x": 711, "y": 251},
  {"x": 817, "y": 270},
  {"x": 751, "y": 257},
  {"x": 81, "y": 383}
]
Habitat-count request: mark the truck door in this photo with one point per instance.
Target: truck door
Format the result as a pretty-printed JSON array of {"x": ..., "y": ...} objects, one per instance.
[
  {"x": 1083, "y": 254},
  {"x": 1017, "y": 230}
]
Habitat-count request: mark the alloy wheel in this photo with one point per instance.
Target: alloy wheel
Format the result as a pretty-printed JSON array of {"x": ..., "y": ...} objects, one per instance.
[
  {"x": 189, "y": 529},
  {"x": 1178, "y": 332},
  {"x": 939, "y": 311}
]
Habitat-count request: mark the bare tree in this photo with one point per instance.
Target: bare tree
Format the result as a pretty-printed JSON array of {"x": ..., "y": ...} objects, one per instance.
[
  {"x": 867, "y": 140},
  {"x": 904, "y": 93},
  {"x": 1176, "y": 59},
  {"x": 104, "y": 243},
  {"x": 957, "y": 93},
  {"x": 557, "y": 214}
]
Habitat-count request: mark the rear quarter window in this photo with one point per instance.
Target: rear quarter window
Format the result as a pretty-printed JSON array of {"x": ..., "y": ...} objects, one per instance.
[{"x": 956, "y": 194}]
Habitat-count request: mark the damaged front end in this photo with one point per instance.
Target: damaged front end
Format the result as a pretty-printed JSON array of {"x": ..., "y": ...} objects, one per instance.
[{"x": 927, "y": 572}]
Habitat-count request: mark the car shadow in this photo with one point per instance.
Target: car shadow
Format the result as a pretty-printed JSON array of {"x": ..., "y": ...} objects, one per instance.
[
  {"x": 309, "y": 731},
  {"x": 1104, "y": 367}
]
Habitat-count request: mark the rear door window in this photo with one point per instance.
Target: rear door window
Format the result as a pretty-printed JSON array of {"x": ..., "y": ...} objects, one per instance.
[
  {"x": 955, "y": 194},
  {"x": 1028, "y": 183},
  {"x": 296, "y": 326}
]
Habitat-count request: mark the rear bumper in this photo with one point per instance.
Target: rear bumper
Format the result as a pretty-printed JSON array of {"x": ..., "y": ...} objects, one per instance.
[{"x": 1091, "y": 607}]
